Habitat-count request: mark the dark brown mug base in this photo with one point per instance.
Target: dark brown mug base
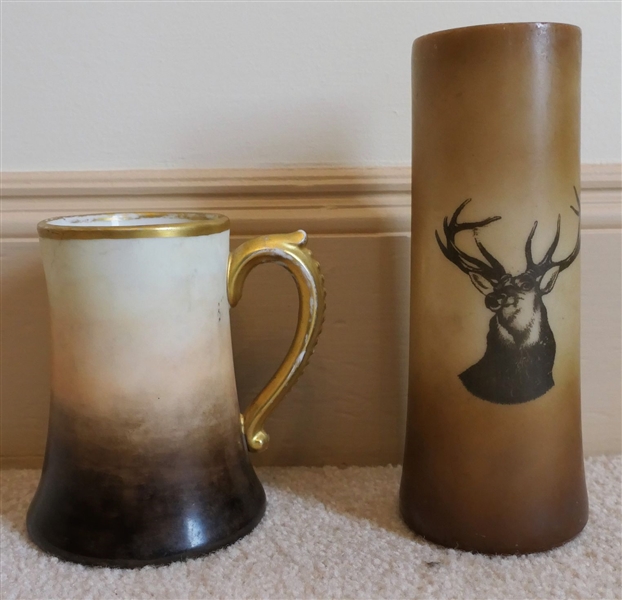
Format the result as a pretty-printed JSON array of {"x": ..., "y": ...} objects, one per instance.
[
  {"x": 127, "y": 563},
  {"x": 105, "y": 501},
  {"x": 191, "y": 525}
]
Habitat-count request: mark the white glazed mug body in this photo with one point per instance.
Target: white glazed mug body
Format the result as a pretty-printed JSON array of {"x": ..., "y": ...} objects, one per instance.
[{"x": 145, "y": 460}]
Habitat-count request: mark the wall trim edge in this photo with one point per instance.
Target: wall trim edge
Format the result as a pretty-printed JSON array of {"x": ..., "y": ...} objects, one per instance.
[{"x": 364, "y": 200}]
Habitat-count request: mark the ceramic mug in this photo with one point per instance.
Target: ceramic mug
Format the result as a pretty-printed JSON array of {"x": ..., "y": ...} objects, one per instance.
[{"x": 147, "y": 454}]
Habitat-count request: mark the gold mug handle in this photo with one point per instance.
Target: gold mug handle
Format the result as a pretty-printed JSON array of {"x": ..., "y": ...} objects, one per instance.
[{"x": 290, "y": 251}]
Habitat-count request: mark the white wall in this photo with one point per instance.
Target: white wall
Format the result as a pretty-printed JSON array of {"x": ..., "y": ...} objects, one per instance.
[{"x": 113, "y": 85}]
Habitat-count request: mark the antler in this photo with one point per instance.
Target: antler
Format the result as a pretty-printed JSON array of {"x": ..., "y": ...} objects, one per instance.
[
  {"x": 469, "y": 264},
  {"x": 547, "y": 261}
]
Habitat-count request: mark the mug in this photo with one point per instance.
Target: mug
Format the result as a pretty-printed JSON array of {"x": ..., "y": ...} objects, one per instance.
[
  {"x": 147, "y": 454},
  {"x": 493, "y": 460}
]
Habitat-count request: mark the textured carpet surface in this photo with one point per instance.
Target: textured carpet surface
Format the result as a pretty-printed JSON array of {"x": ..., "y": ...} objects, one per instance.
[{"x": 331, "y": 533}]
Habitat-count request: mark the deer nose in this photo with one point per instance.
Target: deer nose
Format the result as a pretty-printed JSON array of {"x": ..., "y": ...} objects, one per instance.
[
  {"x": 511, "y": 300},
  {"x": 495, "y": 301}
]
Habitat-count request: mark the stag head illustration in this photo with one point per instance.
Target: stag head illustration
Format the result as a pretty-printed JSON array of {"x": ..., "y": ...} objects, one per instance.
[{"x": 520, "y": 347}]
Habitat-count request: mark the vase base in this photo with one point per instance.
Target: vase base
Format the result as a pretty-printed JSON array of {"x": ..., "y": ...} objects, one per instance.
[{"x": 499, "y": 550}]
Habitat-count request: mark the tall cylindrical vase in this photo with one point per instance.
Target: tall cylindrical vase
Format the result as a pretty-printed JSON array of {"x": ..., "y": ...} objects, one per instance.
[{"x": 493, "y": 459}]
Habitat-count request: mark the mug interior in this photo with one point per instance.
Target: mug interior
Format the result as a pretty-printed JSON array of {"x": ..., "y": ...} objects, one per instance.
[{"x": 129, "y": 219}]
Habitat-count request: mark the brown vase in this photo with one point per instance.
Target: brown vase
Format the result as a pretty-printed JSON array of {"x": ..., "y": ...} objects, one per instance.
[{"x": 493, "y": 459}]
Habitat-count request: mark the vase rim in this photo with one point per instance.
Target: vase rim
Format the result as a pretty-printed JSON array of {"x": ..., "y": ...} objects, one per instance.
[{"x": 506, "y": 25}]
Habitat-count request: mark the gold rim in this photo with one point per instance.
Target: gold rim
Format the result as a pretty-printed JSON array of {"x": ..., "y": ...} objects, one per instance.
[{"x": 195, "y": 224}]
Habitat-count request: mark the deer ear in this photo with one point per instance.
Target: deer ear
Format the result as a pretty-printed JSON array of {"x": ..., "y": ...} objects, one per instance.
[
  {"x": 481, "y": 283},
  {"x": 547, "y": 281}
]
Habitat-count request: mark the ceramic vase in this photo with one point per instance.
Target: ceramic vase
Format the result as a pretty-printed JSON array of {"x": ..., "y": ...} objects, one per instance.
[{"x": 493, "y": 459}]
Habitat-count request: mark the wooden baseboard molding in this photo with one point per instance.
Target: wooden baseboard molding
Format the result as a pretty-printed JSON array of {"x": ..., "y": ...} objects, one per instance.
[
  {"x": 328, "y": 200},
  {"x": 349, "y": 406}
]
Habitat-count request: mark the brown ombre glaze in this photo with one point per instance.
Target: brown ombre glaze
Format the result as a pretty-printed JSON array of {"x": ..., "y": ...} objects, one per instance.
[
  {"x": 104, "y": 500},
  {"x": 147, "y": 453},
  {"x": 493, "y": 459}
]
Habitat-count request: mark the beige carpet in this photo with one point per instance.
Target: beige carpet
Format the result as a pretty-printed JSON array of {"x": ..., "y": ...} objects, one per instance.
[{"x": 331, "y": 533}]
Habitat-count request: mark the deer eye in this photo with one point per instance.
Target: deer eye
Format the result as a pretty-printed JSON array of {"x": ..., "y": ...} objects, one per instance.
[{"x": 526, "y": 285}]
